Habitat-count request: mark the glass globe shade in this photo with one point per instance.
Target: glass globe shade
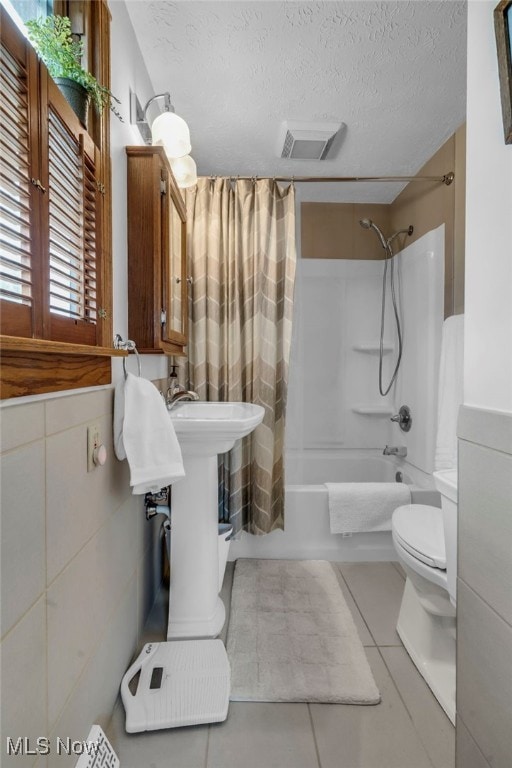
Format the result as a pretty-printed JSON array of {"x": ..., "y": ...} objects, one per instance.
[
  {"x": 184, "y": 170},
  {"x": 171, "y": 131}
]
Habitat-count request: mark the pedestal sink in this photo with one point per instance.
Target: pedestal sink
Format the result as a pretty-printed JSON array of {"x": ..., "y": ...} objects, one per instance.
[{"x": 203, "y": 431}]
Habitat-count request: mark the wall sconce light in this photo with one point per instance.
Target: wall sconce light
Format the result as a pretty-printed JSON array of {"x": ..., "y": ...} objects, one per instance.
[
  {"x": 184, "y": 170},
  {"x": 166, "y": 129}
]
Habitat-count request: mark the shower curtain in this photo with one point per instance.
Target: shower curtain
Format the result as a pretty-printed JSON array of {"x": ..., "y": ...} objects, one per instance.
[{"x": 241, "y": 241}]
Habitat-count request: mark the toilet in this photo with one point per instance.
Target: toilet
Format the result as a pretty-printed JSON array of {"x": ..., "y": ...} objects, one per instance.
[{"x": 425, "y": 540}]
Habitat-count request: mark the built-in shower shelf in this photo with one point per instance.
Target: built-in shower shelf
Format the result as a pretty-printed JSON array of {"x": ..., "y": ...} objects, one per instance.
[
  {"x": 372, "y": 410},
  {"x": 372, "y": 349}
]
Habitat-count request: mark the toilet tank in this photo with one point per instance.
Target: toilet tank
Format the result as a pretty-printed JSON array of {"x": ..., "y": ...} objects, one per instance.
[{"x": 446, "y": 483}]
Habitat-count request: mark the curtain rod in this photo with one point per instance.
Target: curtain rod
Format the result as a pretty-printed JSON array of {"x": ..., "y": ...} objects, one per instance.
[{"x": 446, "y": 179}]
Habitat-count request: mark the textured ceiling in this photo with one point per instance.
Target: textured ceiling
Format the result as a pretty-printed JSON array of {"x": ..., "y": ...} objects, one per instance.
[{"x": 394, "y": 72}]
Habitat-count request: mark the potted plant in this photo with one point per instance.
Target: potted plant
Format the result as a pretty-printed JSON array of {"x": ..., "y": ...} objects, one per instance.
[{"x": 53, "y": 41}]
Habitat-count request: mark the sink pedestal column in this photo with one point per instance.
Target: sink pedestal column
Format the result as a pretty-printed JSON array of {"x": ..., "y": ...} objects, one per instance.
[
  {"x": 195, "y": 608},
  {"x": 204, "y": 430}
]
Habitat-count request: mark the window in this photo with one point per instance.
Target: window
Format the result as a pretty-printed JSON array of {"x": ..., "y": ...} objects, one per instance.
[
  {"x": 55, "y": 231},
  {"x": 28, "y": 9}
]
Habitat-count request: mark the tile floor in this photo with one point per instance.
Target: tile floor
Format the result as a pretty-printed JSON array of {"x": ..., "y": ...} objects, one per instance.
[{"x": 408, "y": 729}]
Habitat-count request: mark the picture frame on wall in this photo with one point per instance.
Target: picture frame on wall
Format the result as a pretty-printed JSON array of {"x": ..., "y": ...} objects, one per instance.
[{"x": 503, "y": 30}]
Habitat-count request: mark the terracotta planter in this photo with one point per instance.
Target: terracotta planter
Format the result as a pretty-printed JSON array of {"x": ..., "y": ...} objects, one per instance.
[{"x": 76, "y": 96}]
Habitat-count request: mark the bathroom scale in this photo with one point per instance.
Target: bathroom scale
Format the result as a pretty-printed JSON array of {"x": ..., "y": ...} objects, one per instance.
[{"x": 176, "y": 683}]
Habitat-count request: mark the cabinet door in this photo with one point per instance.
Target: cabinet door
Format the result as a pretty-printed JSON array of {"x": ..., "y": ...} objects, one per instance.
[
  {"x": 174, "y": 264},
  {"x": 157, "y": 284}
]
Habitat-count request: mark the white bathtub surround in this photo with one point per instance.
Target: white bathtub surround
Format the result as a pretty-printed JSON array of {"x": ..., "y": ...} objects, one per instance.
[
  {"x": 421, "y": 270},
  {"x": 334, "y": 401},
  {"x": 363, "y": 507},
  {"x": 145, "y": 436},
  {"x": 292, "y": 637}
]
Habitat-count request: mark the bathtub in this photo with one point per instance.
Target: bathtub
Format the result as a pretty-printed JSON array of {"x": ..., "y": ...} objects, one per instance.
[
  {"x": 307, "y": 531},
  {"x": 315, "y": 467}
]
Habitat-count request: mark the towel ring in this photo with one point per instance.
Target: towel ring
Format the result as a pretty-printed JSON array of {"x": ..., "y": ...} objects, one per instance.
[
  {"x": 130, "y": 346},
  {"x": 138, "y": 362}
]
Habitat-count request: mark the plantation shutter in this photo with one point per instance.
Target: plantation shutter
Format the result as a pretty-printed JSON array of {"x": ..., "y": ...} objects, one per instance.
[
  {"x": 55, "y": 218},
  {"x": 20, "y": 188},
  {"x": 73, "y": 218}
]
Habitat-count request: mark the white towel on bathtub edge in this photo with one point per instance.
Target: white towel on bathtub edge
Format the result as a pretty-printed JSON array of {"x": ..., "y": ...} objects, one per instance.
[
  {"x": 144, "y": 434},
  {"x": 364, "y": 507}
]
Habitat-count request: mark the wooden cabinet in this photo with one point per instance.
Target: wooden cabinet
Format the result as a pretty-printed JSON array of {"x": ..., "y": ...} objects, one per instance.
[{"x": 157, "y": 254}]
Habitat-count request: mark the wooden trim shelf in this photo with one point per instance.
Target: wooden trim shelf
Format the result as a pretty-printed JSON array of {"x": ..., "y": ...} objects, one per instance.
[
  {"x": 37, "y": 373},
  {"x": 19, "y": 344}
]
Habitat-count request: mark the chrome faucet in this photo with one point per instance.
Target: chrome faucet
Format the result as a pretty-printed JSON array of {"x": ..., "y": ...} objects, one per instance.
[
  {"x": 176, "y": 396},
  {"x": 395, "y": 450}
]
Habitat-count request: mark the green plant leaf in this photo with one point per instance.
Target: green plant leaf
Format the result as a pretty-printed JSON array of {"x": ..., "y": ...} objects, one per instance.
[{"x": 62, "y": 54}]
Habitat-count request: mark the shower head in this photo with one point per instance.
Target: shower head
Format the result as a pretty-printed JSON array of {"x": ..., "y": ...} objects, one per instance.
[{"x": 369, "y": 224}]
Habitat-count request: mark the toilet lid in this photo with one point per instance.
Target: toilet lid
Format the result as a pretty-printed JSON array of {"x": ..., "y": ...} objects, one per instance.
[{"x": 419, "y": 529}]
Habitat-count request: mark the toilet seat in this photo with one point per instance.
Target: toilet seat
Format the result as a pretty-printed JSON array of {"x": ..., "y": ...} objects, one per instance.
[
  {"x": 433, "y": 575},
  {"x": 419, "y": 529}
]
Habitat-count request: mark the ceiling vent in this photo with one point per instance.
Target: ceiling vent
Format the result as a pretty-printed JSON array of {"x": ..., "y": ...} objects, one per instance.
[{"x": 308, "y": 141}]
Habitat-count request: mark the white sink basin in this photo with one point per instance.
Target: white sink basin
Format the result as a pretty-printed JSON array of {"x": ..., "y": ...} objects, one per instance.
[{"x": 213, "y": 427}]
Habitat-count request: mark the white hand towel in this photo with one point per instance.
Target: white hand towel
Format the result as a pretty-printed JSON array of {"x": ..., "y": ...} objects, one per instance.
[
  {"x": 363, "y": 507},
  {"x": 451, "y": 391},
  {"x": 144, "y": 434}
]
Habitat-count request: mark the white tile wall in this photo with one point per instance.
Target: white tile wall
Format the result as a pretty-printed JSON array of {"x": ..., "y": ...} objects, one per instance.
[
  {"x": 79, "y": 502},
  {"x": 83, "y": 598},
  {"x": 23, "y": 672},
  {"x": 484, "y": 603},
  {"x": 21, "y": 425},
  {"x": 93, "y": 698},
  {"x": 65, "y": 412},
  {"x": 484, "y": 676},
  {"x": 23, "y": 559},
  {"x": 486, "y": 532},
  {"x": 468, "y": 753},
  {"x": 78, "y": 571}
]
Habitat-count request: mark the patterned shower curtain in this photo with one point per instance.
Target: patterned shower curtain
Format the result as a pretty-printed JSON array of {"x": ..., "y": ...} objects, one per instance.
[{"x": 241, "y": 240}]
